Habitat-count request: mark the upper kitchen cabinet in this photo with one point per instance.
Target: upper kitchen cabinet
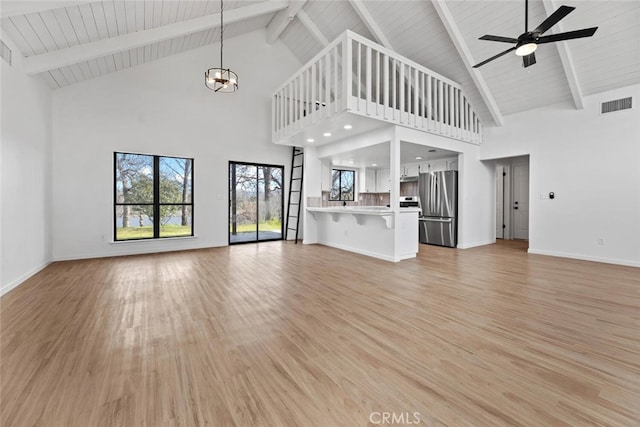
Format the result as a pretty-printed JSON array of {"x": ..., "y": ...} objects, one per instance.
[
  {"x": 450, "y": 163},
  {"x": 383, "y": 180},
  {"x": 412, "y": 170},
  {"x": 369, "y": 180},
  {"x": 326, "y": 176}
]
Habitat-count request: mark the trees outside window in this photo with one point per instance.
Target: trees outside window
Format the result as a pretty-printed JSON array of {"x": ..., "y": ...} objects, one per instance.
[
  {"x": 342, "y": 185},
  {"x": 153, "y": 196}
]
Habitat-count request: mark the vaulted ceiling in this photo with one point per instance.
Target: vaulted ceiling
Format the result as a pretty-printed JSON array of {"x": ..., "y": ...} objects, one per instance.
[{"x": 69, "y": 41}]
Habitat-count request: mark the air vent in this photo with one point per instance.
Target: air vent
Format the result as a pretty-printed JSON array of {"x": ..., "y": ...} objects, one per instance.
[
  {"x": 5, "y": 52},
  {"x": 615, "y": 105}
]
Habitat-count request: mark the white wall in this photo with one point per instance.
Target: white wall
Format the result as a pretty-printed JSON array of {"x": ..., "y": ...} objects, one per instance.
[
  {"x": 592, "y": 164},
  {"x": 25, "y": 154},
  {"x": 162, "y": 108}
]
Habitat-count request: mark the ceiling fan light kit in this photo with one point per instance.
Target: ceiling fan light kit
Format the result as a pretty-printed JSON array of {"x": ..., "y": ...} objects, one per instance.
[
  {"x": 527, "y": 43},
  {"x": 526, "y": 49}
]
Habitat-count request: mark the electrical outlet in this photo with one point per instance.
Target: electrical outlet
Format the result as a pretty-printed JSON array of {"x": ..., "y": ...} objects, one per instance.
[{"x": 600, "y": 241}]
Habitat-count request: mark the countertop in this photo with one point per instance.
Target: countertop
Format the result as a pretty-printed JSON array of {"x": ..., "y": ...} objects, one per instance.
[{"x": 362, "y": 210}]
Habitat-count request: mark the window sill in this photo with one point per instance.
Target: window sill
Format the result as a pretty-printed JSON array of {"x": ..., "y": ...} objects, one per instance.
[{"x": 119, "y": 242}]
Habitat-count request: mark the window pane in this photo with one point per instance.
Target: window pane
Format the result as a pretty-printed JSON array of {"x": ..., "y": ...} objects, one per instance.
[
  {"x": 346, "y": 182},
  {"x": 134, "y": 178},
  {"x": 342, "y": 185},
  {"x": 134, "y": 222},
  {"x": 335, "y": 185},
  {"x": 270, "y": 203},
  {"x": 175, "y": 180},
  {"x": 176, "y": 220}
]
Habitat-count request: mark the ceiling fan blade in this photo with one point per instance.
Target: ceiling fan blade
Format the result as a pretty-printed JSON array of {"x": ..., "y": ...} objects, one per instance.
[
  {"x": 495, "y": 57},
  {"x": 553, "y": 19},
  {"x": 529, "y": 60},
  {"x": 577, "y": 34},
  {"x": 498, "y": 39}
]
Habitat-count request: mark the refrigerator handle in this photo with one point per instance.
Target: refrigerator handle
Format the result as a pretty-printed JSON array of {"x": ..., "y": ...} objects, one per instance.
[
  {"x": 433, "y": 193},
  {"x": 437, "y": 194}
]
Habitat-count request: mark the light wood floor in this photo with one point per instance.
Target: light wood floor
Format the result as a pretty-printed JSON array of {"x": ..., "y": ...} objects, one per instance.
[{"x": 278, "y": 334}]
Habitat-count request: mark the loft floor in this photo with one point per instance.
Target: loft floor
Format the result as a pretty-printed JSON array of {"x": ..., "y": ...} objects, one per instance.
[{"x": 278, "y": 334}]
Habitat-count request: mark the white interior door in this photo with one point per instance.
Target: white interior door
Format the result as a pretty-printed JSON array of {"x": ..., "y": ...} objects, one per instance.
[
  {"x": 500, "y": 202},
  {"x": 520, "y": 205}
]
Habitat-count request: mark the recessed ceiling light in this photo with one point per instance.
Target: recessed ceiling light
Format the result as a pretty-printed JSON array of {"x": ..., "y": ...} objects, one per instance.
[
  {"x": 419, "y": 158},
  {"x": 326, "y": 134},
  {"x": 347, "y": 127},
  {"x": 374, "y": 164},
  {"x": 310, "y": 139},
  {"x": 350, "y": 162}
]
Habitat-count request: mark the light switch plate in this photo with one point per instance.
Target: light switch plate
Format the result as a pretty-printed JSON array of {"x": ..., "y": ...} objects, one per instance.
[{"x": 544, "y": 196}]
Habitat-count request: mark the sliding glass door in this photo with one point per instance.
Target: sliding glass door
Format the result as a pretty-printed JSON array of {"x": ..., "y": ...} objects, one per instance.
[{"x": 256, "y": 204}]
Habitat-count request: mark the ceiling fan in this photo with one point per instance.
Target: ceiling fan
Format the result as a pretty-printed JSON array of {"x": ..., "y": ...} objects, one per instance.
[{"x": 527, "y": 42}]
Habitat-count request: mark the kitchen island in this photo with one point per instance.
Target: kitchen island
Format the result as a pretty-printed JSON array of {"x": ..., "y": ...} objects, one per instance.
[{"x": 375, "y": 231}]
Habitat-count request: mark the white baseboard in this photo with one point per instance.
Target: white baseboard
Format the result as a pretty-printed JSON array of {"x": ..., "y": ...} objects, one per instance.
[
  {"x": 359, "y": 251},
  {"x": 585, "y": 257},
  {"x": 475, "y": 244},
  {"x": 130, "y": 251},
  {"x": 15, "y": 283}
]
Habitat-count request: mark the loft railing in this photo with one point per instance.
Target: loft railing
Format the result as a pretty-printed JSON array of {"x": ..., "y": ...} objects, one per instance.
[{"x": 357, "y": 75}]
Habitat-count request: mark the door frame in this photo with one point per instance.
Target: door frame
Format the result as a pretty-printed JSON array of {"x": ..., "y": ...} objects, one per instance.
[
  {"x": 282, "y": 213},
  {"x": 506, "y": 201},
  {"x": 512, "y": 196}
]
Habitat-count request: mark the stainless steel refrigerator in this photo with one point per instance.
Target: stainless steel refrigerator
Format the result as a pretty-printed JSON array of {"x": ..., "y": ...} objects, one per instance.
[{"x": 439, "y": 197}]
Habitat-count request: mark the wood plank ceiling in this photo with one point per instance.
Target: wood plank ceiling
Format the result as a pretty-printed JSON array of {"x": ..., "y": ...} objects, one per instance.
[{"x": 609, "y": 60}]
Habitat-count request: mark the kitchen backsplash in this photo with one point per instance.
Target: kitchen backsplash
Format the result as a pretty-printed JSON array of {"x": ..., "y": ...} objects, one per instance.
[
  {"x": 409, "y": 188},
  {"x": 364, "y": 199}
]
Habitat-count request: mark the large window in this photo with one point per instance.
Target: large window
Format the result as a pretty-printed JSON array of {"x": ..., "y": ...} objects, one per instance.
[
  {"x": 153, "y": 196},
  {"x": 342, "y": 185}
]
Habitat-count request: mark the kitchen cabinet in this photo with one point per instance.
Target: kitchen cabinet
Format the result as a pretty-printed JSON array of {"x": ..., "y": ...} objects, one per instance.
[
  {"x": 439, "y": 165},
  {"x": 370, "y": 180},
  {"x": 326, "y": 176},
  {"x": 367, "y": 180},
  {"x": 412, "y": 170},
  {"x": 383, "y": 180}
]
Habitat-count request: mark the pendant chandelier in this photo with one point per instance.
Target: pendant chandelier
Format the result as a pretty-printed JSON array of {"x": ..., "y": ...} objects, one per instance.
[{"x": 221, "y": 79}]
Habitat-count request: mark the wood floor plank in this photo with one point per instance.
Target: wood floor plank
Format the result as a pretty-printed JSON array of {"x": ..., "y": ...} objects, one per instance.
[{"x": 278, "y": 334}]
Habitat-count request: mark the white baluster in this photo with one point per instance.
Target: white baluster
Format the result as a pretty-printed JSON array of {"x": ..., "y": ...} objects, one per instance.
[
  {"x": 387, "y": 86},
  {"x": 414, "y": 93},
  {"x": 368, "y": 81},
  {"x": 336, "y": 80},
  {"x": 377, "y": 83},
  {"x": 401, "y": 87},
  {"x": 359, "y": 94}
]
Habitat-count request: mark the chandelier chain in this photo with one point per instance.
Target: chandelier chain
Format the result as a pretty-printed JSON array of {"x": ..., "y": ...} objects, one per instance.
[{"x": 221, "y": 31}]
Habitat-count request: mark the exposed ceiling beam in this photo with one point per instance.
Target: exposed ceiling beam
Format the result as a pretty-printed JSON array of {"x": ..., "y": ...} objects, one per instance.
[
  {"x": 72, "y": 55},
  {"x": 370, "y": 23},
  {"x": 282, "y": 20},
  {"x": 23, "y": 7},
  {"x": 463, "y": 50},
  {"x": 313, "y": 28},
  {"x": 566, "y": 59}
]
